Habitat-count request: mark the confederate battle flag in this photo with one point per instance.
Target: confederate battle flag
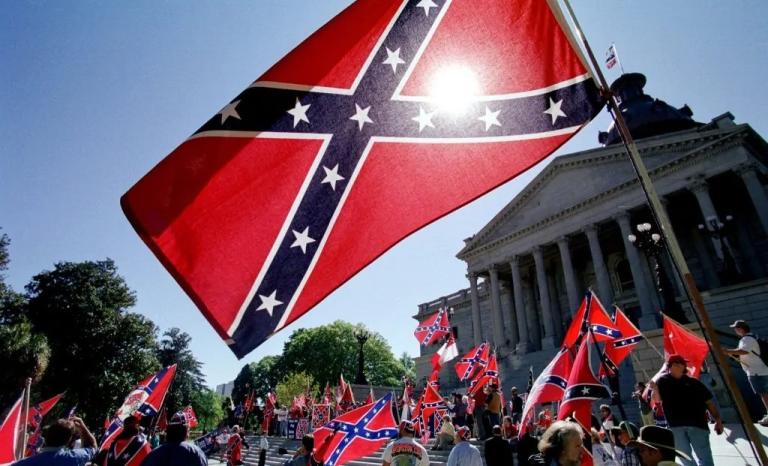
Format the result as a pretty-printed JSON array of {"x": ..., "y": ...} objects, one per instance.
[{"x": 392, "y": 115}]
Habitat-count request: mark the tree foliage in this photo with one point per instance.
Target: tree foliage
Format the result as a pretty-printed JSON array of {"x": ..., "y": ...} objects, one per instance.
[
  {"x": 98, "y": 349},
  {"x": 24, "y": 352},
  {"x": 260, "y": 377},
  {"x": 325, "y": 352},
  {"x": 189, "y": 380},
  {"x": 293, "y": 385},
  {"x": 208, "y": 408}
]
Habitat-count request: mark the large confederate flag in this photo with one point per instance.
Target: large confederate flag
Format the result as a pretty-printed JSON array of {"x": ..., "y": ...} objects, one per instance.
[{"x": 390, "y": 116}]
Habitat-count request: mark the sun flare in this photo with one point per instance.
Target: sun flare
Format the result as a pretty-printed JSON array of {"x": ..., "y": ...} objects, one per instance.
[{"x": 453, "y": 88}]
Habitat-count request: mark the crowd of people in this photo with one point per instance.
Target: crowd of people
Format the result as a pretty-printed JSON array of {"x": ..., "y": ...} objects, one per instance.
[{"x": 676, "y": 411}]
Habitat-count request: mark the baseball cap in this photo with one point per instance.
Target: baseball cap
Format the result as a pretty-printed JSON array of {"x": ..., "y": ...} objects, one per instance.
[
  {"x": 676, "y": 359},
  {"x": 407, "y": 426},
  {"x": 740, "y": 324}
]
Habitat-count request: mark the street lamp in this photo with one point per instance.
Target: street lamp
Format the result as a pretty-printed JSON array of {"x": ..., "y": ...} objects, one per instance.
[
  {"x": 362, "y": 336},
  {"x": 652, "y": 245},
  {"x": 729, "y": 271}
]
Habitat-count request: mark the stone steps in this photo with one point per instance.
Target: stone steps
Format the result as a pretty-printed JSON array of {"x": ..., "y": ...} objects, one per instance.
[{"x": 274, "y": 458}]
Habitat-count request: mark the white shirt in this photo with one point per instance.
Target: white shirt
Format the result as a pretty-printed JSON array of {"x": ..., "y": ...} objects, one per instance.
[
  {"x": 751, "y": 362},
  {"x": 465, "y": 454},
  {"x": 406, "y": 451}
]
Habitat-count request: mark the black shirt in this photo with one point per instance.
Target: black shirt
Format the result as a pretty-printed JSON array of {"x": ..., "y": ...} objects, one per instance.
[
  {"x": 498, "y": 452},
  {"x": 684, "y": 401},
  {"x": 517, "y": 404}
]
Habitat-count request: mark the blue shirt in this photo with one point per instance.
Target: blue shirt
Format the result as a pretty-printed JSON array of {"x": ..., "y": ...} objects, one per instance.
[
  {"x": 465, "y": 454},
  {"x": 59, "y": 457},
  {"x": 176, "y": 454}
]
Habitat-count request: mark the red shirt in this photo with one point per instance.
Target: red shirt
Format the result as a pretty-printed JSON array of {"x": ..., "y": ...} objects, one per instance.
[{"x": 234, "y": 445}]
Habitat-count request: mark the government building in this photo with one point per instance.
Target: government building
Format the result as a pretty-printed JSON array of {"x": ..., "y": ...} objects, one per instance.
[{"x": 568, "y": 231}]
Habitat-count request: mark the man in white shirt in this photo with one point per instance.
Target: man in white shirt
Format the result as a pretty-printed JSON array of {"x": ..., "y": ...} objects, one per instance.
[
  {"x": 464, "y": 453},
  {"x": 405, "y": 451},
  {"x": 748, "y": 353}
]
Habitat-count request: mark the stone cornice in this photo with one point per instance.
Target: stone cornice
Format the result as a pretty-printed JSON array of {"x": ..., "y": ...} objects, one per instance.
[{"x": 715, "y": 142}]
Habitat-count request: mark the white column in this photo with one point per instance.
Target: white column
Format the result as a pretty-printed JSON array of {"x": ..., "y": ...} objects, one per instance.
[
  {"x": 643, "y": 291},
  {"x": 548, "y": 341},
  {"x": 524, "y": 345},
  {"x": 700, "y": 189},
  {"x": 605, "y": 290},
  {"x": 476, "y": 323},
  {"x": 498, "y": 318},
  {"x": 756, "y": 192},
  {"x": 572, "y": 288}
]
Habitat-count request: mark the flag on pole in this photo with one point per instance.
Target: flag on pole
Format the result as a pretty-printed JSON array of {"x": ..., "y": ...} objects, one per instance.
[
  {"x": 591, "y": 315},
  {"x": 582, "y": 390},
  {"x": 610, "y": 57},
  {"x": 489, "y": 374},
  {"x": 447, "y": 352},
  {"x": 35, "y": 423},
  {"x": 321, "y": 414},
  {"x": 355, "y": 434},
  {"x": 189, "y": 414},
  {"x": 615, "y": 351},
  {"x": 269, "y": 412},
  {"x": 548, "y": 387},
  {"x": 370, "y": 399},
  {"x": 347, "y": 400},
  {"x": 378, "y": 124},
  {"x": 327, "y": 394},
  {"x": 9, "y": 434},
  {"x": 144, "y": 400},
  {"x": 162, "y": 419},
  {"x": 680, "y": 340},
  {"x": 433, "y": 328},
  {"x": 475, "y": 359}
]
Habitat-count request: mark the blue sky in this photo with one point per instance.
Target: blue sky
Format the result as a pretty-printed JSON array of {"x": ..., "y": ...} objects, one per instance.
[{"x": 93, "y": 94}]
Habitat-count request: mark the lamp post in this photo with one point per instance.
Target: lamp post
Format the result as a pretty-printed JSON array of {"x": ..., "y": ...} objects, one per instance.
[
  {"x": 652, "y": 246},
  {"x": 729, "y": 271},
  {"x": 362, "y": 336}
]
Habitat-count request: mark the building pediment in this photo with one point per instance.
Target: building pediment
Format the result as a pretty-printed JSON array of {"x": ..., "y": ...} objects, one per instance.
[{"x": 583, "y": 177}]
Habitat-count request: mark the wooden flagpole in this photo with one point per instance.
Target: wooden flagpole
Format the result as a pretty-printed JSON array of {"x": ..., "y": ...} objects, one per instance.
[{"x": 673, "y": 248}]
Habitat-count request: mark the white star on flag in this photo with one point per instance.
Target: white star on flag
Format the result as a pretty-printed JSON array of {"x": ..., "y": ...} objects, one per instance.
[
  {"x": 585, "y": 390},
  {"x": 302, "y": 240},
  {"x": 393, "y": 59},
  {"x": 299, "y": 112},
  {"x": 361, "y": 116},
  {"x": 554, "y": 110},
  {"x": 490, "y": 118},
  {"x": 229, "y": 110},
  {"x": 427, "y": 5},
  {"x": 332, "y": 176},
  {"x": 268, "y": 303},
  {"x": 424, "y": 119}
]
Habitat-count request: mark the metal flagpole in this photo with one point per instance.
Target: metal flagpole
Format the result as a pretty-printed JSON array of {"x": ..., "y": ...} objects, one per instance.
[{"x": 673, "y": 247}]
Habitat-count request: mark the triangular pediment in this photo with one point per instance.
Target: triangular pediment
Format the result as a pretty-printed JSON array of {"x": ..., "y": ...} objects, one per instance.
[{"x": 574, "y": 179}]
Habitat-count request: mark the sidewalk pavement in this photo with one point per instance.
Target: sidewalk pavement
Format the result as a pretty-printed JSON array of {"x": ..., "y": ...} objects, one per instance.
[{"x": 732, "y": 448}]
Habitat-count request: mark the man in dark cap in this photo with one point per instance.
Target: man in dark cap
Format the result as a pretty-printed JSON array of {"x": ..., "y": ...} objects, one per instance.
[
  {"x": 686, "y": 401},
  {"x": 748, "y": 353},
  {"x": 176, "y": 451},
  {"x": 656, "y": 446}
]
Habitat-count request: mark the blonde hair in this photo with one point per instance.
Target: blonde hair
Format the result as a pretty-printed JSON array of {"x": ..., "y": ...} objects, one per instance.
[{"x": 553, "y": 440}]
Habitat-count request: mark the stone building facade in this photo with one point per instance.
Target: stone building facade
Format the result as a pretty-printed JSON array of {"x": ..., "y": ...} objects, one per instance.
[{"x": 567, "y": 232}]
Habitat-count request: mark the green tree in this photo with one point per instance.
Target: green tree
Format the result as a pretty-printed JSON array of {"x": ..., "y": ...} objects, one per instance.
[
  {"x": 189, "y": 379},
  {"x": 99, "y": 350},
  {"x": 325, "y": 352},
  {"x": 293, "y": 385},
  {"x": 24, "y": 352},
  {"x": 259, "y": 377},
  {"x": 208, "y": 408},
  {"x": 243, "y": 384},
  {"x": 409, "y": 365}
]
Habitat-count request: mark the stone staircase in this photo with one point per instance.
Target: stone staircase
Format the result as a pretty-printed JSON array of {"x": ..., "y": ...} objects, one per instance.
[{"x": 274, "y": 458}]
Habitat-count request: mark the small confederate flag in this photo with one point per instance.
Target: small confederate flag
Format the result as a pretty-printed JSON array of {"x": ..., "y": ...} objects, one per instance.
[
  {"x": 548, "y": 387},
  {"x": 617, "y": 350},
  {"x": 590, "y": 317},
  {"x": 490, "y": 374},
  {"x": 355, "y": 434},
  {"x": 9, "y": 430},
  {"x": 392, "y": 115},
  {"x": 475, "y": 359},
  {"x": 35, "y": 423},
  {"x": 190, "y": 416},
  {"x": 433, "y": 328},
  {"x": 610, "y": 57}
]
